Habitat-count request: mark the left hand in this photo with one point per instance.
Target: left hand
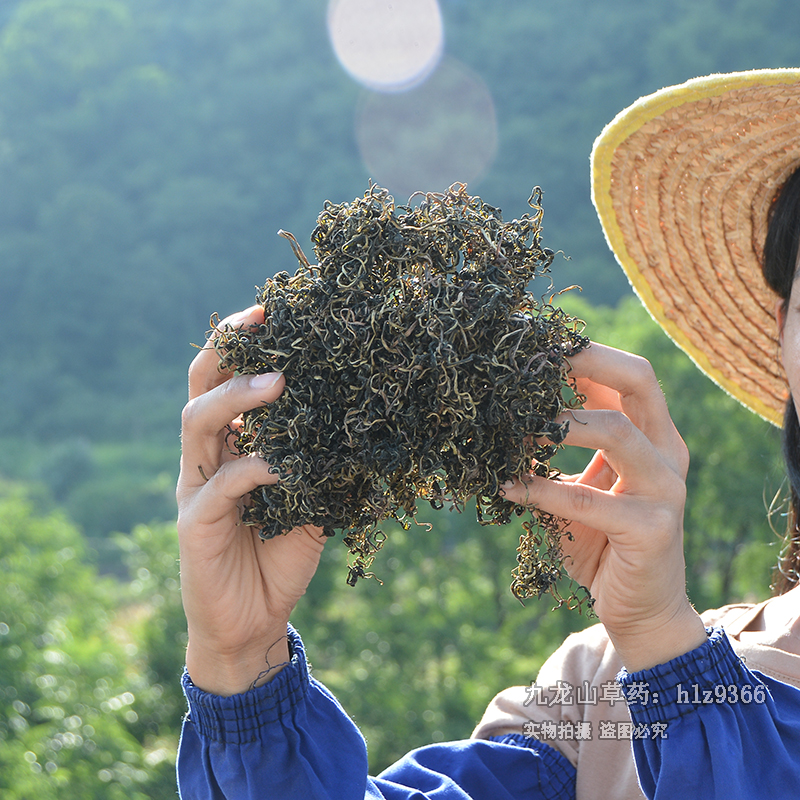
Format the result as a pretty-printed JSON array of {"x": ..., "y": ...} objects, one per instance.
[
  {"x": 238, "y": 591},
  {"x": 625, "y": 510}
]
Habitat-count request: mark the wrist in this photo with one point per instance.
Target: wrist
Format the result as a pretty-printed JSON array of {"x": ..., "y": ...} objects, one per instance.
[
  {"x": 660, "y": 640},
  {"x": 225, "y": 672}
]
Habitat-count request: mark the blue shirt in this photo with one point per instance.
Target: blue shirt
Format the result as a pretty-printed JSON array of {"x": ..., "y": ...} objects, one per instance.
[{"x": 707, "y": 728}]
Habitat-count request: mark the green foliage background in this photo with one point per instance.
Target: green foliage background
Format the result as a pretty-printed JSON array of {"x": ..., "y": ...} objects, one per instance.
[{"x": 149, "y": 151}]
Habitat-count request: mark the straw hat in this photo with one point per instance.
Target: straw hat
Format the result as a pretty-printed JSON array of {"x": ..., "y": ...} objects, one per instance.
[{"x": 683, "y": 181}]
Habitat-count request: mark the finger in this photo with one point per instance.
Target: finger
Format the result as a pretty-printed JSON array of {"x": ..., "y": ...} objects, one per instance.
[
  {"x": 614, "y": 379},
  {"x": 598, "y": 473},
  {"x": 206, "y": 418},
  {"x": 612, "y": 512},
  {"x": 204, "y": 371},
  {"x": 222, "y": 493},
  {"x": 623, "y": 446},
  {"x": 640, "y": 469}
]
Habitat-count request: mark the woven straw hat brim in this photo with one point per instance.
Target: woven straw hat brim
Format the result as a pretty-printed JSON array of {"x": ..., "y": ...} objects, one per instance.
[{"x": 683, "y": 181}]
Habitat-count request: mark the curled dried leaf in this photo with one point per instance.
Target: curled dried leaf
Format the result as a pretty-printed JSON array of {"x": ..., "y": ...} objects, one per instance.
[{"x": 418, "y": 367}]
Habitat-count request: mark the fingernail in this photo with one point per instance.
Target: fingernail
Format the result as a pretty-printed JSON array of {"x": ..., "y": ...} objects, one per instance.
[
  {"x": 264, "y": 381},
  {"x": 506, "y": 486}
]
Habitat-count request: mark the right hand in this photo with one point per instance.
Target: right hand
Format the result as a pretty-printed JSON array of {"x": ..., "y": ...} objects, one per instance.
[
  {"x": 625, "y": 510},
  {"x": 238, "y": 591}
]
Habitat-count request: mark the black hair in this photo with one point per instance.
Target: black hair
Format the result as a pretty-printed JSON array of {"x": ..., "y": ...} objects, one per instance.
[
  {"x": 787, "y": 573},
  {"x": 779, "y": 268},
  {"x": 783, "y": 234}
]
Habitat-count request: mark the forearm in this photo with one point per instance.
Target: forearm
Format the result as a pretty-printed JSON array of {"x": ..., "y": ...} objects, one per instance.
[
  {"x": 228, "y": 673},
  {"x": 644, "y": 645}
]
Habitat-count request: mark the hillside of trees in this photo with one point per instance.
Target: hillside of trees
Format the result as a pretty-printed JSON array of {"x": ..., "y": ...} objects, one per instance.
[{"x": 149, "y": 152}]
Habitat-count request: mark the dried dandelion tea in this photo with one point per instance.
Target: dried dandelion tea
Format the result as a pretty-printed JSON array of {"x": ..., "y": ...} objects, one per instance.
[{"x": 418, "y": 367}]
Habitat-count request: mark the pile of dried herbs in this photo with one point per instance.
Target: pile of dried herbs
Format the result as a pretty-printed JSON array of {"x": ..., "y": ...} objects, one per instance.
[{"x": 417, "y": 366}]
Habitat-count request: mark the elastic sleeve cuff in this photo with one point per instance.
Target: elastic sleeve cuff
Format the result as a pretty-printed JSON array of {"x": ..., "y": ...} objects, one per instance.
[
  {"x": 711, "y": 673},
  {"x": 240, "y": 718},
  {"x": 560, "y": 773}
]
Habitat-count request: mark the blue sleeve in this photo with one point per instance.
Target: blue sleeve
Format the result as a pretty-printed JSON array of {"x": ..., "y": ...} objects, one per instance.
[
  {"x": 707, "y": 727},
  {"x": 291, "y": 739}
]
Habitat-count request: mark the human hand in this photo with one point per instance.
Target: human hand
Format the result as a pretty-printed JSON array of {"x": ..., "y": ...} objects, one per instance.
[
  {"x": 238, "y": 591},
  {"x": 625, "y": 510}
]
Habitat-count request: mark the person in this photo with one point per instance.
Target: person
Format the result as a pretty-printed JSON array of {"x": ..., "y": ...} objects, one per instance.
[{"x": 683, "y": 182}]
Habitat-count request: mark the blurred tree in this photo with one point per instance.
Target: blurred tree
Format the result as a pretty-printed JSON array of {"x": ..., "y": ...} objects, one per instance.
[
  {"x": 141, "y": 156},
  {"x": 74, "y": 712},
  {"x": 155, "y": 627},
  {"x": 559, "y": 72},
  {"x": 149, "y": 152}
]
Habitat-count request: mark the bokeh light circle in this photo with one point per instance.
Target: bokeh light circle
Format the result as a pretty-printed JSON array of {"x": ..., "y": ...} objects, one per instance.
[
  {"x": 437, "y": 134},
  {"x": 387, "y": 45}
]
